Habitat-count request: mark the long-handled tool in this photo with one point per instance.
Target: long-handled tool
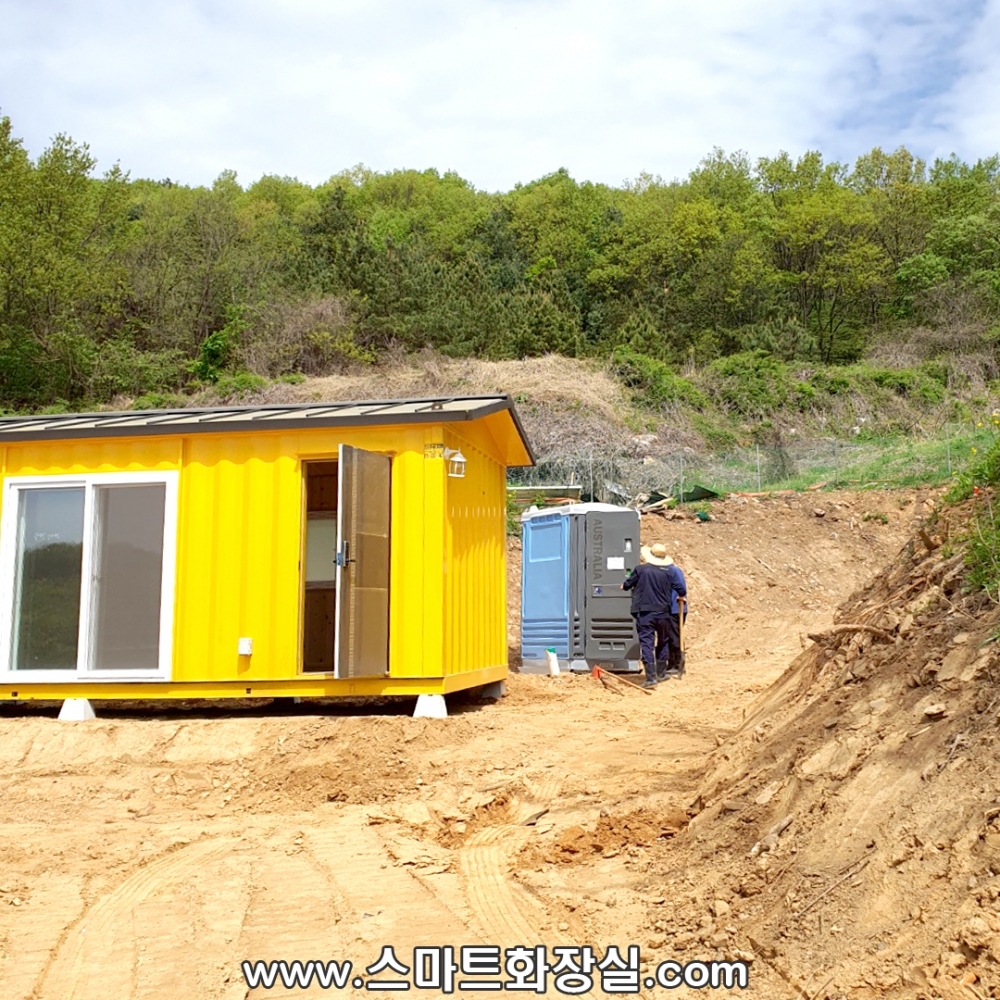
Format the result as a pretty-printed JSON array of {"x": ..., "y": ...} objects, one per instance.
[
  {"x": 601, "y": 674},
  {"x": 681, "y": 604}
]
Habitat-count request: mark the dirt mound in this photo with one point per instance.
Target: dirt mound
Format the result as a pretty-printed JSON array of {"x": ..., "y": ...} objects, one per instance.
[
  {"x": 850, "y": 829},
  {"x": 549, "y": 379},
  {"x": 640, "y": 828}
]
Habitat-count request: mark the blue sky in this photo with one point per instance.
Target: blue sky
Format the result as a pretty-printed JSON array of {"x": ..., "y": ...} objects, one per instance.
[{"x": 500, "y": 91}]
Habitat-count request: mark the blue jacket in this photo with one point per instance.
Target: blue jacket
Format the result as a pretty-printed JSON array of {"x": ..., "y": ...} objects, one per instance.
[
  {"x": 680, "y": 589},
  {"x": 655, "y": 588}
]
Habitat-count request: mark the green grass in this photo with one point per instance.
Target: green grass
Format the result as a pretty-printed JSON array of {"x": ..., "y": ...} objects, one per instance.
[{"x": 882, "y": 463}]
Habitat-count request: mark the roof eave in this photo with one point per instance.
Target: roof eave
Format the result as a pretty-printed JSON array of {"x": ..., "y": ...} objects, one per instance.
[{"x": 102, "y": 425}]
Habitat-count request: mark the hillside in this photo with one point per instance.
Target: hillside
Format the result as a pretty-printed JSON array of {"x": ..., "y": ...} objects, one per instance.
[
  {"x": 628, "y": 426},
  {"x": 846, "y": 837},
  {"x": 880, "y": 749},
  {"x": 112, "y": 286}
]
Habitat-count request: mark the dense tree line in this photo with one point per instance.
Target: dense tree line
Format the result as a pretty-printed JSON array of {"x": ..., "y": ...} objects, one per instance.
[{"x": 112, "y": 286}]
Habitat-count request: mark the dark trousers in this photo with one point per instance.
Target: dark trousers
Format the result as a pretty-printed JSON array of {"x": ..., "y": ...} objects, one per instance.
[{"x": 654, "y": 643}]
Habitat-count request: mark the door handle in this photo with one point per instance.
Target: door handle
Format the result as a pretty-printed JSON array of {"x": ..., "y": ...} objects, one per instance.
[{"x": 343, "y": 559}]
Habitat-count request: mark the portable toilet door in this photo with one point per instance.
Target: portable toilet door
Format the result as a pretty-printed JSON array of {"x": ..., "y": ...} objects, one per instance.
[
  {"x": 612, "y": 545},
  {"x": 544, "y": 589}
]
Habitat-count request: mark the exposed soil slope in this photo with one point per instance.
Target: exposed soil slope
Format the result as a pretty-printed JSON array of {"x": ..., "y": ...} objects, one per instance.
[
  {"x": 565, "y": 403},
  {"x": 847, "y": 837},
  {"x": 879, "y": 749}
]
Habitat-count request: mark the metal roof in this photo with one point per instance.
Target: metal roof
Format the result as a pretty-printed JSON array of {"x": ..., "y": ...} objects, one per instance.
[
  {"x": 566, "y": 509},
  {"x": 217, "y": 419}
]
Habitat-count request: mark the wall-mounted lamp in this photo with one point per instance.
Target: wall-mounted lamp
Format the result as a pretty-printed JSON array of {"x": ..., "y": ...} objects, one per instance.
[{"x": 456, "y": 463}]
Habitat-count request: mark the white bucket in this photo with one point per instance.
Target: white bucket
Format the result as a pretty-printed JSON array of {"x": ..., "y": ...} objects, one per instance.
[{"x": 553, "y": 661}]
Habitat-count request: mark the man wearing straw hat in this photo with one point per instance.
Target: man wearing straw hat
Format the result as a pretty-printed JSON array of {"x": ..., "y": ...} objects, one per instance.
[{"x": 656, "y": 585}]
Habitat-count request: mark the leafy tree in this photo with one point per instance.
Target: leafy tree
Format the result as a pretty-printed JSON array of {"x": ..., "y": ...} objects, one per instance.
[{"x": 116, "y": 287}]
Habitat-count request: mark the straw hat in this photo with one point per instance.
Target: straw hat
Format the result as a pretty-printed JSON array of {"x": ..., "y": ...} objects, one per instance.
[{"x": 656, "y": 555}]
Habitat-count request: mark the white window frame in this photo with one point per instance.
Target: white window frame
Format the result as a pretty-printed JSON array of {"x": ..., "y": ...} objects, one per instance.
[{"x": 8, "y": 555}]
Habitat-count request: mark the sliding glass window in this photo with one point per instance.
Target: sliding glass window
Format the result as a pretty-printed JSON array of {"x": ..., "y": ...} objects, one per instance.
[
  {"x": 90, "y": 568},
  {"x": 47, "y": 571}
]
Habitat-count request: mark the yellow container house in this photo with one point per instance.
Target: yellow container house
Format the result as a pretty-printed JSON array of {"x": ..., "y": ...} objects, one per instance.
[{"x": 313, "y": 550}]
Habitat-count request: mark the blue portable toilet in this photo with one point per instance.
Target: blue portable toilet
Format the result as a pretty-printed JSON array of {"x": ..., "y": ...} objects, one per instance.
[
  {"x": 545, "y": 572},
  {"x": 573, "y": 562}
]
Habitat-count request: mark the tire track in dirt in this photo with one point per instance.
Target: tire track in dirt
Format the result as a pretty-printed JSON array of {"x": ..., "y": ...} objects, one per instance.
[
  {"x": 295, "y": 910},
  {"x": 39, "y": 931},
  {"x": 103, "y": 938},
  {"x": 384, "y": 903},
  {"x": 506, "y": 913}
]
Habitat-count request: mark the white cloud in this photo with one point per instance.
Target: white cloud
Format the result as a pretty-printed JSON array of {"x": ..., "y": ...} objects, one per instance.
[
  {"x": 499, "y": 90},
  {"x": 973, "y": 106}
]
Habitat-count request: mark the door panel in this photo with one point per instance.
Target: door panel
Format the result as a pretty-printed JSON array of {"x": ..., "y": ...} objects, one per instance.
[
  {"x": 363, "y": 564},
  {"x": 544, "y": 596},
  {"x": 321, "y": 612}
]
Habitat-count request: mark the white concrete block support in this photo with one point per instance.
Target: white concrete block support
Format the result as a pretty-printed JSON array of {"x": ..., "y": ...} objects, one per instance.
[
  {"x": 76, "y": 710},
  {"x": 431, "y": 706},
  {"x": 496, "y": 690}
]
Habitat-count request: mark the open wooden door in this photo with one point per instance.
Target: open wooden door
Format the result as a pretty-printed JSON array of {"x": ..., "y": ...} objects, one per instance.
[{"x": 362, "y": 628}]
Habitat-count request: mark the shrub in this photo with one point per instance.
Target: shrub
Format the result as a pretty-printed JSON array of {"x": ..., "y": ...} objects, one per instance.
[
  {"x": 936, "y": 370},
  {"x": 312, "y": 338},
  {"x": 513, "y": 515},
  {"x": 239, "y": 385},
  {"x": 803, "y": 394},
  {"x": 787, "y": 339},
  {"x": 833, "y": 381},
  {"x": 982, "y": 552},
  {"x": 984, "y": 474},
  {"x": 654, "y": 383},
  {"x": 714, "y": 433},
  {"x": 752, "y": 384},
  {"x": 218, "y": 347},
  {"x": 925, "y": 384},
  {"x": 118, "y": 368},
  {"x": 58, "y": 407},
  {"x": 899, "y": 380},
  {"x": 912, "y": 383},
  {"x": 159, "y": 401}
]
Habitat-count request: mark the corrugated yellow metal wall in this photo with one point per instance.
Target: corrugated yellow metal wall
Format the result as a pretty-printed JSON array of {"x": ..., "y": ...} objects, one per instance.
[
  {"x": 238, "y": 557},
  {"x": 240, "y": 569},
  {"x": 239, "y": 543},
  {"x": 75, "y": 458},
  {"x": 475, "y": 582}
]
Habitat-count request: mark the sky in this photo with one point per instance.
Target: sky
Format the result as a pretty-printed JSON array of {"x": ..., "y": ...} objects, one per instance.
[{"x": 500, "y": 91}]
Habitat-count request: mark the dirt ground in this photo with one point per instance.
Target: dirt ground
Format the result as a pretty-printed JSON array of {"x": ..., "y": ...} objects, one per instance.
[{"x": 147, "y": 853}]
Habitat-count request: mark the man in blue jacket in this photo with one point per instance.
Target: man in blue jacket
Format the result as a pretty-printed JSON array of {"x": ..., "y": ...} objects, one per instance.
[
  {"x": 655, "y": 584},
  {"x": 674, "y": 667}
]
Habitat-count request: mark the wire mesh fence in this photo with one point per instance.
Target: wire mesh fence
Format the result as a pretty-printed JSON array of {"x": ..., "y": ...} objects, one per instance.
[{"x": 626, "y": 477}]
